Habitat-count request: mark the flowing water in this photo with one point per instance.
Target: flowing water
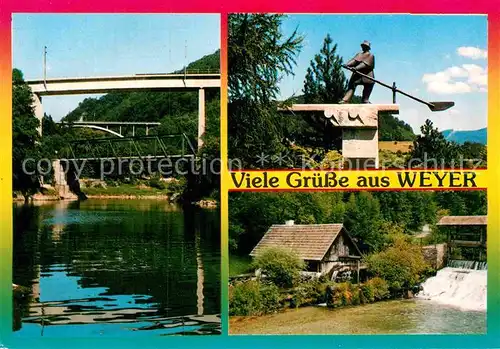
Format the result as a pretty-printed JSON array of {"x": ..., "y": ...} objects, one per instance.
[
  {"x": 463, "y": 287},
  {"x": 116, "y": 268}
]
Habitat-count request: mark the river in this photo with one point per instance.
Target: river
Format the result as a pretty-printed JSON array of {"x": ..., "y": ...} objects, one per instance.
[
  {"x": 116, "y": 268},
  {"x": 390, "y": 317}
]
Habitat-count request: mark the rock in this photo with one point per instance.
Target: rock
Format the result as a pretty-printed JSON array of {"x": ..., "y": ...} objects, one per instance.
[{"x": 206, "y": 204}]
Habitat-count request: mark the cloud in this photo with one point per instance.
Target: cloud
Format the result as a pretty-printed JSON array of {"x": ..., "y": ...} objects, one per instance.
[
  {"x": 472, "y": 52},
  {"x": 456, "y": 80}
]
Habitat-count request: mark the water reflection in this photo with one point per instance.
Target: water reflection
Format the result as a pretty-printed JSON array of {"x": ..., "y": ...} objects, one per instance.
[{"x": 118, "y": 268}]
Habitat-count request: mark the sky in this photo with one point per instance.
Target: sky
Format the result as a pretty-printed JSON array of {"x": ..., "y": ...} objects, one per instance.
[
  {"x": 106, "y": 45},
  {"x": 435, "y": 58}
]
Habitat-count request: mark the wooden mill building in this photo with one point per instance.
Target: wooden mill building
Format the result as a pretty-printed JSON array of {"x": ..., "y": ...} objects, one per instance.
[
  {"x": 324, "y": 247},
  {"x": 466, "y": 235}
]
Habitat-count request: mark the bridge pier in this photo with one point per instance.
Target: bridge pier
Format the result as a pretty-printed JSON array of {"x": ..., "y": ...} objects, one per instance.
[
  {"x": 201, "y": 116},
  {"x": 60, "y": 182},
  {"x": 38, "y": 107}
]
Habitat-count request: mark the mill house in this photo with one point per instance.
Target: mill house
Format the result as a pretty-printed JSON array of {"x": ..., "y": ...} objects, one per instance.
[{"x": 327, "y": 249}]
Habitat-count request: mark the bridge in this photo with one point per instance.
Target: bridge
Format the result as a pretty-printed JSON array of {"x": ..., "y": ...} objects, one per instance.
[
  {"x": 128, "y": 148},
  {"x": 116, "y": 128},
  {"x": 138, "y": 82}
]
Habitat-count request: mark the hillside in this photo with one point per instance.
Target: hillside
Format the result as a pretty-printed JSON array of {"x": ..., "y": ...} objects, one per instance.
[
  {"x": 472, "y": 136},
  {"x": 177, "y": 111}
]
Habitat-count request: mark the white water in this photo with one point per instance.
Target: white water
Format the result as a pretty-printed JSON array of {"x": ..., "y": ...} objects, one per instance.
[{"x": 463, "y": 288}]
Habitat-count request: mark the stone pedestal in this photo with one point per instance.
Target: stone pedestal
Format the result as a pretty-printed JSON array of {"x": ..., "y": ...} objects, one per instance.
[{"x": 359, "y": 123}]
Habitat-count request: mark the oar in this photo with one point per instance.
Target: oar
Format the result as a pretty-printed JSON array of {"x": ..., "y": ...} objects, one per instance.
[{"x": 433, "y": 106}]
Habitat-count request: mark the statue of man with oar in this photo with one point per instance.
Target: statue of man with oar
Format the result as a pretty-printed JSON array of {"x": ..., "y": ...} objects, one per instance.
[{"x": 363, "y": 62}]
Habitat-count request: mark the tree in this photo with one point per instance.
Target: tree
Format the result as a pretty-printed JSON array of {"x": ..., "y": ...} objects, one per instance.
[
  {"x": 281, "y": 266},
  {"x": 259, "y": 55},
  {"x": 363, "y": 219},
  {"x": 431, "y": 149},
  {"x": 25, "y": 136},
  {"x": 325, "y": 81},
  {"x": 401, "y": 264}
]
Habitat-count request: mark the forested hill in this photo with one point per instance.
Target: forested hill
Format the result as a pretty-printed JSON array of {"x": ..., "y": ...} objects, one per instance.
[
  {"x": 393, "y": 129},
  {"x": 148, "y": 106}
]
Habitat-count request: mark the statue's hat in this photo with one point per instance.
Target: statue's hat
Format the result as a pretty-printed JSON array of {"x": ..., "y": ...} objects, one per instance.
[{"x": 366, "y": 43}]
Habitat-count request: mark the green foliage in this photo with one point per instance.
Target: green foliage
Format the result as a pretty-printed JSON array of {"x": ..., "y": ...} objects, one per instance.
[
  {"x": 431, "y": 148},
  {"x": 363, "y": 219},
  {"x": 340, "y": 294},
  {"x": 345, "y": 293},
  {"x": 370, "y": 218},
  {"x": 393, "y": 129},
  {"x": 253, "y": 298},
  {"x": 309, "y": 292},
  {"x": 281, "y": 266},
  {"x": 378, "y": 289},
  {"x": 258, "y": 56},
  {"x": 25, "y": 136},
  {"x": 325, "y": 81},
  {"x": 401, "y": 264},
  {"x": 177, "y": 186},
  {"x": 270, "y": 298},
  {"x": 463, "y": 203},
  {"x": 367, "y": 293},
  {"x": 409, "y": 209},
  {"x": 239, "y": 265},
  {"x": 251, "y": 214},
  {"x": 244, "y": 298},
  {"x": 156, "y": 183}
]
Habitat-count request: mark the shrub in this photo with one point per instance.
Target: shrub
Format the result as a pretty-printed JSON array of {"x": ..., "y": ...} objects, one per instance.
[
  {"x": 367, "y": 293},
  {"x": 341, "y": 294},
  {"x": 245, "y": 298},
  {"x": 253, "y": 298},
  {"x": 177, "y": 185},
  {"x": 307, "y": 293},
  {"x": 281, "y": 266},
  {"x": 379, "y": 288},
  {"x": 270, "y": 298},
  {"x": 401, "y": 264},
  {"x": 355, "y": 299},
  {"x": 156, "y": 183}
]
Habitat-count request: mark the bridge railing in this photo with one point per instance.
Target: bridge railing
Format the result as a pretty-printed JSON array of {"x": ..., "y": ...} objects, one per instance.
[
  {"x": 189, "y": 71},
  {"x": 139, "y": 147}
]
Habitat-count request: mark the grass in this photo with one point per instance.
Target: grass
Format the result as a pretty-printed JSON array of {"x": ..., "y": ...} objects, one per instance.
[{"x": 239, "y": 265}]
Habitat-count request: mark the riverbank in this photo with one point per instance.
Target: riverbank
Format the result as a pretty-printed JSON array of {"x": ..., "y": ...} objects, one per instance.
[
  {"x": 121, "y": 192},
  {"x": 387, "y": 317}
]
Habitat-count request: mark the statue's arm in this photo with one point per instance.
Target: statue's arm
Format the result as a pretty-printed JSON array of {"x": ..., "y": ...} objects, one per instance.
[
  {"x": 352, "y": 62},
  {"x": 369, "y": 62}
]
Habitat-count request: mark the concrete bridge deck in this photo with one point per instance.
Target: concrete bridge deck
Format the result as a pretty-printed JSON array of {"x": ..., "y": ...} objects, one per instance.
[{"x": 105, "y": 84}]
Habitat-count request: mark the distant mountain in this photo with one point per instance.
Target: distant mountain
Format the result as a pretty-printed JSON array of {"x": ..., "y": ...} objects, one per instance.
[{"x": 472, "y": 136}]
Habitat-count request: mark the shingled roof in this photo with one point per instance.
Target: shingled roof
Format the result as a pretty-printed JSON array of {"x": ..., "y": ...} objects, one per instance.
[
  {"x": 310, "y": 241},
  {"x": 463, "y": 220}
]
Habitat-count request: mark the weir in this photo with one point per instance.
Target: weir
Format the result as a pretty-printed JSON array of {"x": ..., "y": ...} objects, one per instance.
[
  {"x": 459, "y": 287},
  {"x": 462, "y": 283}
]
